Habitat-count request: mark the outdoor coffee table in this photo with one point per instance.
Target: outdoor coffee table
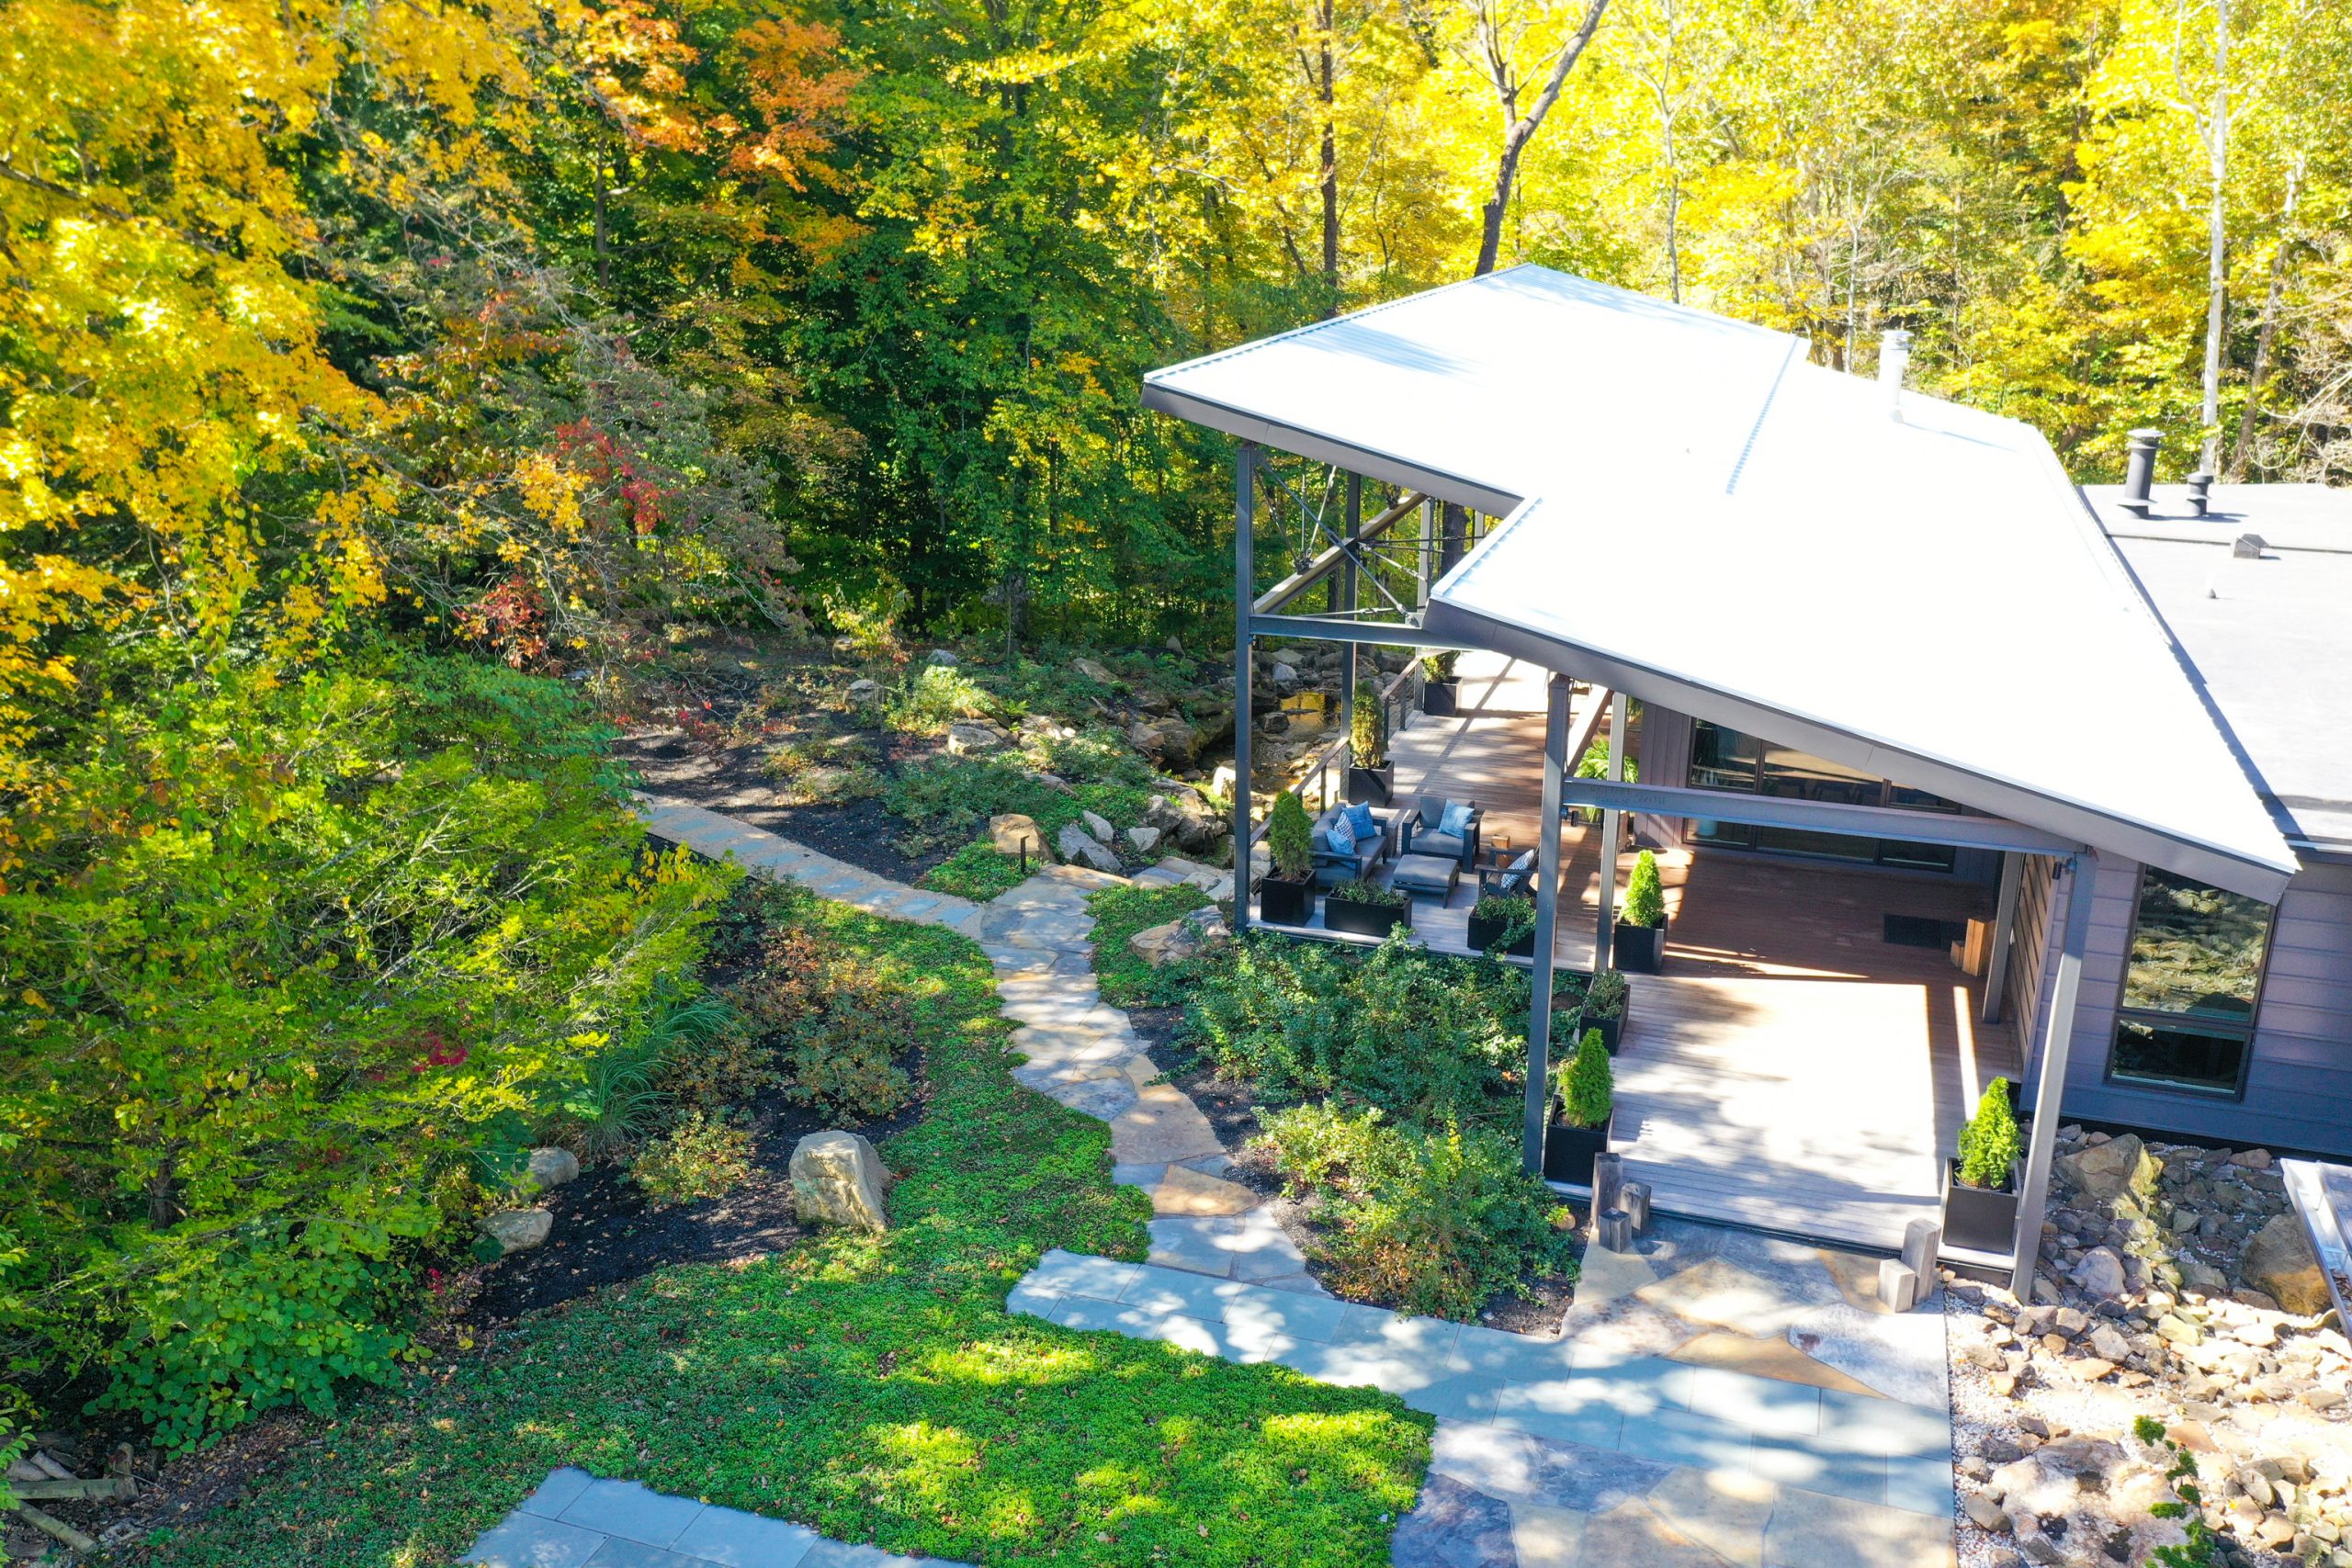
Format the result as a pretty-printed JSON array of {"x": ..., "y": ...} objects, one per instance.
[{"x": 1430, "y": 876}]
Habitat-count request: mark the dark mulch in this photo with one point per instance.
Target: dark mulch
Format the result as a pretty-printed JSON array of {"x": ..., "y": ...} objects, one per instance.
[
  {"x": 607, "y": 1231},
  {"x": 726, "y": 777},
  {"x": 1232, "y": 1109}
]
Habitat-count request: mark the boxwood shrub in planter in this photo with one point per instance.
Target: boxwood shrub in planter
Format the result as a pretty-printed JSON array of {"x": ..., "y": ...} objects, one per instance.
[
  {"x": 1372, "y": 778},
  {"x": 1441, "y": 693},
  {"x": 1286, "y": 894},
  {"x": 1504, "y": 920},
  {"x": 1608, "y": 1005},
  {"x": 1981, "y": 1186},
  {"x": 1640, "y": 939},
  {"x": 1366, "y": 909},
  {"x": 1583, "y": 1115}
]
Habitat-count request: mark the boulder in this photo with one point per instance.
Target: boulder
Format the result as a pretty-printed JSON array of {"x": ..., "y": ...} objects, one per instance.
[
  {"x": 968, "y": 736},
  {"x": 942, "y": 657},
  {"x": 2203, "y": 1278},
  {"x": 1181, "y": 815},
  {"x": 1145, "y": 840},
  {"x": 1179, "y": 939},
  {"x": 1093, "y": 670},
  {"x": 2278, "y": 1263},
  {"x": 1081, "y": 847},
  {"x": 552, "y": 1167},
  {"x": 1170, "y": 741},
  {"x": 2100, "y": 1272},
  {"x": 838, "y": 1180},
  {"x": 862, "y": 693},
  {"x": 1008, "y": 831},
  {"x": 2107, "y": 1170},
  {"x": 518, "y": 1229},
  {"x": 2083, "y": 1503},
  {"x": 1097, "y": 825},
  {"x": 1284, "y": 677}
]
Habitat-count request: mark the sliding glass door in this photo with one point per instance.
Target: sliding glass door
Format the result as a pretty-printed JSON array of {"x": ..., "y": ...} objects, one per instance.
[{"x": 1724, "y": 758}]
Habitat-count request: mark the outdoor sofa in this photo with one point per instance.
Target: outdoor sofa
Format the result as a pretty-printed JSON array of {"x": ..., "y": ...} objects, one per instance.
[{"x": 1335, "y": 866}]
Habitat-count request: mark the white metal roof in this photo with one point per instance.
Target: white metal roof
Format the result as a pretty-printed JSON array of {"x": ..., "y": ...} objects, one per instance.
[{"x": 1699, "y": 515}]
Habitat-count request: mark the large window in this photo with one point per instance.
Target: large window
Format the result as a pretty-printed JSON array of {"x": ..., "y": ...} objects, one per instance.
[
  {"x": 1727, "y": 759},
  {"x": 2187, "y": 1017}
]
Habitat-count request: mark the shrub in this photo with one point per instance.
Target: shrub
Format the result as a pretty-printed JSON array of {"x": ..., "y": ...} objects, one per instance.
[
  {"x": 1426, "y": 1039},
  {"x": 1989, "y": 1143},
  {"x": 936, "y": 696},
  {"x": 1439, "y": 666},
  {"x": 1290, "y": 839},
  {"x": 1605, "y": 994},
  {"x": 1645, "y": 897},
  {"x": 840, "y": 1057},
  {"x": 1517, "y": 915},
  {"x": 1368, "y": 736},
  {"x": 1594, "y": 763},
  {"x": 1591, "y": 1088},
  {"x": 1363, "y": 892},
  {"x": 1434, "y": 1223},
  {"x": 978, "y": 872},
  {"x": 702, "y": 1156}
]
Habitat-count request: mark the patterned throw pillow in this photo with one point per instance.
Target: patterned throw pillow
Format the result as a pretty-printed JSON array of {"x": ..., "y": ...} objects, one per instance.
[
  {"x": 1456, "y": 820},
  {"x": 1342, "y": 834}
]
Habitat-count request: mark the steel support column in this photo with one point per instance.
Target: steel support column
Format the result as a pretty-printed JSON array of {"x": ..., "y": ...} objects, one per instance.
[
  {"x": 2080, "y": 871},
  {"x": 1604, "y": 938},
  {"x": 1245, "y": 588},
  {"x": 1547, "y": 912},
  {"x": 2005, "y": 917},
  {"x": 1347, "y": 590}
]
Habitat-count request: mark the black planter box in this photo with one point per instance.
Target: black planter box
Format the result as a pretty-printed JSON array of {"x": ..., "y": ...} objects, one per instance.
[
  {"x": 1364, "y": 919},
  {"x": 1484, "y": 935},
  {"x": 1612, "y": 1025},
  {"x": 1372, "y": 787},
  {"x": 1640, "y": 950},
  {"x": 1979, "y": 1218},
  {"x": 1569, "y": 1151},
  {"x": 1283, "y": 903},
  {"x": 1441, "y": 699}
]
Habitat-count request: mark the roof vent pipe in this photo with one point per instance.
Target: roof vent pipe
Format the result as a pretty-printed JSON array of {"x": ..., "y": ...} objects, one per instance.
[
  {"x": 2200, "y": 492},
  {"x": 2140, "y": 470},
  {"x": 1893, "y": 364}
]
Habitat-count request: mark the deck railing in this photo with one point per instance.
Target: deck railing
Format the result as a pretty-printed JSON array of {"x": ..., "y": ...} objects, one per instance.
[{"x": 1400, "y": 699}]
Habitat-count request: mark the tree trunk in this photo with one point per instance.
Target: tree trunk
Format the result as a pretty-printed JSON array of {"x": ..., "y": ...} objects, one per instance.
[
  {"x": 1330, "y": 174},
  {"x": 1521, "y": 131},
  {"x": 2269, "y": 325},
  {"x": 2217, "y": 276}
]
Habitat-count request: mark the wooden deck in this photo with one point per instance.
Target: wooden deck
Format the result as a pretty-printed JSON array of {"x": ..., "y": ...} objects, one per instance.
[{"x": 1792, "y": 1069}]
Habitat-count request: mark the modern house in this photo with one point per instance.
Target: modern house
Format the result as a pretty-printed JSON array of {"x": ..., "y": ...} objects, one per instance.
[{"x": 1886, "y": 671}]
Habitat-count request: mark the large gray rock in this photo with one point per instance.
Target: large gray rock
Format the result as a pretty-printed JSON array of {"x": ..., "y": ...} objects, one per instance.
[
  {"x": 1145, "y": 840},
  {"x": 552, "y": 1167},
  {"x": 969, "y": 737},
  {"x": 2083, "y": 1503},
  {"x": 1008, "y": 831},
  {"x": 1093, "y": 670},
  {"x": 1081, "y": 847},
  {"x": 838, "y": 1180},
  {"x": 2107, "y": 1170},
  {"x": 518, "y": 1229},
  {"x": 2278, "y": 1263},
  {"x": 1183, "y": 816},
  {"x": 940, "y": 656},
  {"x": 1179, "y": 939},
  {"x": 863, "y": 693},
  {"x": 2100, "y": 1273},
  {"x": 1098, "y": 825}
]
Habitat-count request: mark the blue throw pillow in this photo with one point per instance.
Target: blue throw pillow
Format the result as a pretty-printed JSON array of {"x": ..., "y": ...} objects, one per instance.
[
  {"x": 1456, "y": 820},
  {"x": 1360, "y": 819},
  {"x": 1342, "y": 834}
]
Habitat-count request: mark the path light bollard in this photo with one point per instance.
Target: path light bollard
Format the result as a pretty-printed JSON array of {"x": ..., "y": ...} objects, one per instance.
[
  {"x": 1635, "y": 1200},
  {"x": 1024, "y": 857},
  {"x": 1607, "y": 1181},
  {"x": 1616, "y": 1231}
]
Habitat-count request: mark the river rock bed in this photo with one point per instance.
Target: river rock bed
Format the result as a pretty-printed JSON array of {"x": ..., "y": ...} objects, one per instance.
[{"x": 2174, "y": 1283}]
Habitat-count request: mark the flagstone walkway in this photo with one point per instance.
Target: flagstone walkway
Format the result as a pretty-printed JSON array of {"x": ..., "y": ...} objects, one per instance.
[{"x": 1718, "y": 1397}]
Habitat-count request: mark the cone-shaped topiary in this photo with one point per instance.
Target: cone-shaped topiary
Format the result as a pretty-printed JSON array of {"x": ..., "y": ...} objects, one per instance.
[
  {"x": 1644, "y": 897},
  {"x": 1369, "y": 737},
  {"x": 1290, "y": 839},
  {"x": 1585, "y": 1098},
  {"x": 1989, "y": 1143}
]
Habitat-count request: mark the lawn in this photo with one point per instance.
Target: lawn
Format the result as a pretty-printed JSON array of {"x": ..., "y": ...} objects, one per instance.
[{"x": 873, "y": 1388}]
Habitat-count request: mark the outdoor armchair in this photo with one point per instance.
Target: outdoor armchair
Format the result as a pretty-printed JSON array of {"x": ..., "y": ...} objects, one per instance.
[
  {"x": 1425, "y": 835},
  {"x": 1515, "y": 880}
]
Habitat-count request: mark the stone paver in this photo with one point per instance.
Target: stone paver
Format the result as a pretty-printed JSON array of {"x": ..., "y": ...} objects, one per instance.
[{"x": 577, "y": 1520}]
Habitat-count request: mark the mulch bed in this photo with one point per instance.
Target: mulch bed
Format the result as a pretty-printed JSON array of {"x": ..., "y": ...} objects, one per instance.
[{"x": 607, "y": 1231}]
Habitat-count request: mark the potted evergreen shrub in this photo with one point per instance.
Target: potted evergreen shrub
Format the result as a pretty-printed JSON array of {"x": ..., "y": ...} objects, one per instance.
[
  {"x": 1505, "y": 921},
  {"x": 1286, "y": 895},
  {"x": 1608, "y": 1005},
  {"x": 1366, "y": 909},
  {"x": 1441, "y": 693},
  {"x": 1372, "y": 778},
  {"x": 1641, "y": 924},
  {"x": 1981, "y": 1186},
  {"x": 1583, "y": 1114}
]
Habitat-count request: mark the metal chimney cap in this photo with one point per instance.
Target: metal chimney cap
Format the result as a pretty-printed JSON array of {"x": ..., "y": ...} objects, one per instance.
[{"x": 2147, "y": 436}]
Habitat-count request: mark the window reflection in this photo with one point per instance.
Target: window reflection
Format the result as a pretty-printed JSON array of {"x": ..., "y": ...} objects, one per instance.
[{"x": 2186, "y": 1020}]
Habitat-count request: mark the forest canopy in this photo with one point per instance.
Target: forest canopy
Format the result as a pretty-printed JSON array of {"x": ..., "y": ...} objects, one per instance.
[{"x": 382, "y": 385}]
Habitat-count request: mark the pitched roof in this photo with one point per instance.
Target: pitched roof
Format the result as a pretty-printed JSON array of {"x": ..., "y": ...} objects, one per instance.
[{"x": 1697, "y": 514}]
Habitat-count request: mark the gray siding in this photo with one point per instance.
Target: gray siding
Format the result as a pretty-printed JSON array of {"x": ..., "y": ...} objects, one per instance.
[{"x": 2299, "y": 1082}]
